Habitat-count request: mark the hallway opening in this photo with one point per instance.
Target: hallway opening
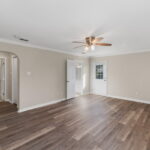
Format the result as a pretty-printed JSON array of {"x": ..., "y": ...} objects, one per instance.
[{"x": 9, "y": 78}]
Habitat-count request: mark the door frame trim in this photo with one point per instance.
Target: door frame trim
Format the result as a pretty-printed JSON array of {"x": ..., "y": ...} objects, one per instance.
[
  {"x": 12, "y": 82},
  {"x": 5, "y": 98}
]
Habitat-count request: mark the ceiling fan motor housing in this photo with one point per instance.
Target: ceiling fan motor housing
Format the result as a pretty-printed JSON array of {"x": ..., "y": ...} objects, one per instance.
[{"x": 89, "y": 40}]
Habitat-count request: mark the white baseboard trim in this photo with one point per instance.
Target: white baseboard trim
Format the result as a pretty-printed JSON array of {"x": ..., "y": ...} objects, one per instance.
[
  {"x": 130, "y": 99},
  {"x": 125, "y": 98},
  {"x": 86, "y": 93},
  {"x": 60, "y": 100},
  {"x": 8, "y": 100},
  {"x": 98, "y": 94},
  {"x": 41, "y": 105}
]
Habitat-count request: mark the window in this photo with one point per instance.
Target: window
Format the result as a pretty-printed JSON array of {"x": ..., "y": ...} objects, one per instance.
[{"x": 99, "y": 72}]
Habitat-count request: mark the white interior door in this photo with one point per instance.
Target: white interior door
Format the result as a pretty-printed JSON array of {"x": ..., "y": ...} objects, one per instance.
[
  {"x": 15, "y": 89},
  {"x": 99, "y": 78},
  {"x": 71, "y": 79}
]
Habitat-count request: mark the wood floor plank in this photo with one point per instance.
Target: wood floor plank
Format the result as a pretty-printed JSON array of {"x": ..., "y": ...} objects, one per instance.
[
  {"x": 3, "y": 128},
  {"x": 89, "y": 122},
  {"x": 25, "y": 140}
]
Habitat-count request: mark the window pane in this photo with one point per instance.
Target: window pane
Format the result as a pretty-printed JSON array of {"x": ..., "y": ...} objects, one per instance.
[
  {"x": 99, "y": 71},
  {"x": 101, "y": 76}
]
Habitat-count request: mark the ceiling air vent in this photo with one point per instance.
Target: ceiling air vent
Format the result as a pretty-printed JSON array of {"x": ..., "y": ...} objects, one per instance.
[{"x": 21, "y": 39}]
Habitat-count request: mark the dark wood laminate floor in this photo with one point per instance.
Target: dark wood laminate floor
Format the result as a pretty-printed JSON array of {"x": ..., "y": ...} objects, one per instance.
[{"x": 86, "y": 123}]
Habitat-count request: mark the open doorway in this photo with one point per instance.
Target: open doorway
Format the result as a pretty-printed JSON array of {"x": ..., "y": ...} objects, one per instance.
[{"x": 9, "y": 78}]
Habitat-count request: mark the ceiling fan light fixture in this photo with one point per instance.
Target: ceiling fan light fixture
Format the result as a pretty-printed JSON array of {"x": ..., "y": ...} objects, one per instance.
[
  {"x": 90, "y": 43},
  {"x": 92, "y": 47},
  {"x": 86, "y": 48}
]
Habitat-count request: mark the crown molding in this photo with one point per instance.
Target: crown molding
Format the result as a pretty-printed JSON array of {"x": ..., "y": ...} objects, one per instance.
[
  {"x": 120, "y": 53},
  {"x": 71, "y": 53},
  {"x": 39, "y": 47}
]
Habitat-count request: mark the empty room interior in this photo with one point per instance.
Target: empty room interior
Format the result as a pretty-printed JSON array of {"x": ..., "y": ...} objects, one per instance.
[{"x": 74, "y": 75}]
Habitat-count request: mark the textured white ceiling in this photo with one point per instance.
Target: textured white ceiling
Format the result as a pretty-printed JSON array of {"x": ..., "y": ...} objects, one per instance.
[{"x": 56, "y": 23}]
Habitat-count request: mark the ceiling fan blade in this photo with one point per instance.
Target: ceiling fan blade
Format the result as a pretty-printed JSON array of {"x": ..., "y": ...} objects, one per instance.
[
  {"x": 98, "y": 39},
  {"x": 77, "y": 42},
  {"x": 103, "y": 44},
  {"x": 78, "y": 46}
]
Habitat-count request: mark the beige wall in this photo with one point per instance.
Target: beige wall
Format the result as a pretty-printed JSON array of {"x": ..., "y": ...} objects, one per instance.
[
  {"x": 128, "y": 75},
  {"x": 48, "y": 74}
]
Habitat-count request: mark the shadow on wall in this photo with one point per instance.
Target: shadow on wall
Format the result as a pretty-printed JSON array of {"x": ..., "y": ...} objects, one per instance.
[{"x": 9, "y": 77}]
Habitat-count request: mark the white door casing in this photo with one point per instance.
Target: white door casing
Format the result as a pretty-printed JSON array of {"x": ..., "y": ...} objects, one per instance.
[
  {"x": 15, "y": 88},
  {"x": 71, "y": 79},
  {"x": 2, "y": 78},
  {"x": 99, "y": 78}
]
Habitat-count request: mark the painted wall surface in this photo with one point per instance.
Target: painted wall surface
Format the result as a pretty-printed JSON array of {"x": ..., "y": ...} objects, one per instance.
[
  {"x": 128, "y": 75},
  {"x": 42, "y": 74}
]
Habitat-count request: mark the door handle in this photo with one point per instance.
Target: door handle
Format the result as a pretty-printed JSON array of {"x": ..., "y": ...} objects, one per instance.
[{"x": 67, "y": 81}]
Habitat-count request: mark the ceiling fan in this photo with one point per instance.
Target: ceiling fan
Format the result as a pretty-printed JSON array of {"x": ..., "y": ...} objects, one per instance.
[{"x": 90, "y": 43}]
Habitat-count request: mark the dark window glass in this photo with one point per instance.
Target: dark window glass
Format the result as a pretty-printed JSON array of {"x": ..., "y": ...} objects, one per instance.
[{"x": 99, "y": 72}]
